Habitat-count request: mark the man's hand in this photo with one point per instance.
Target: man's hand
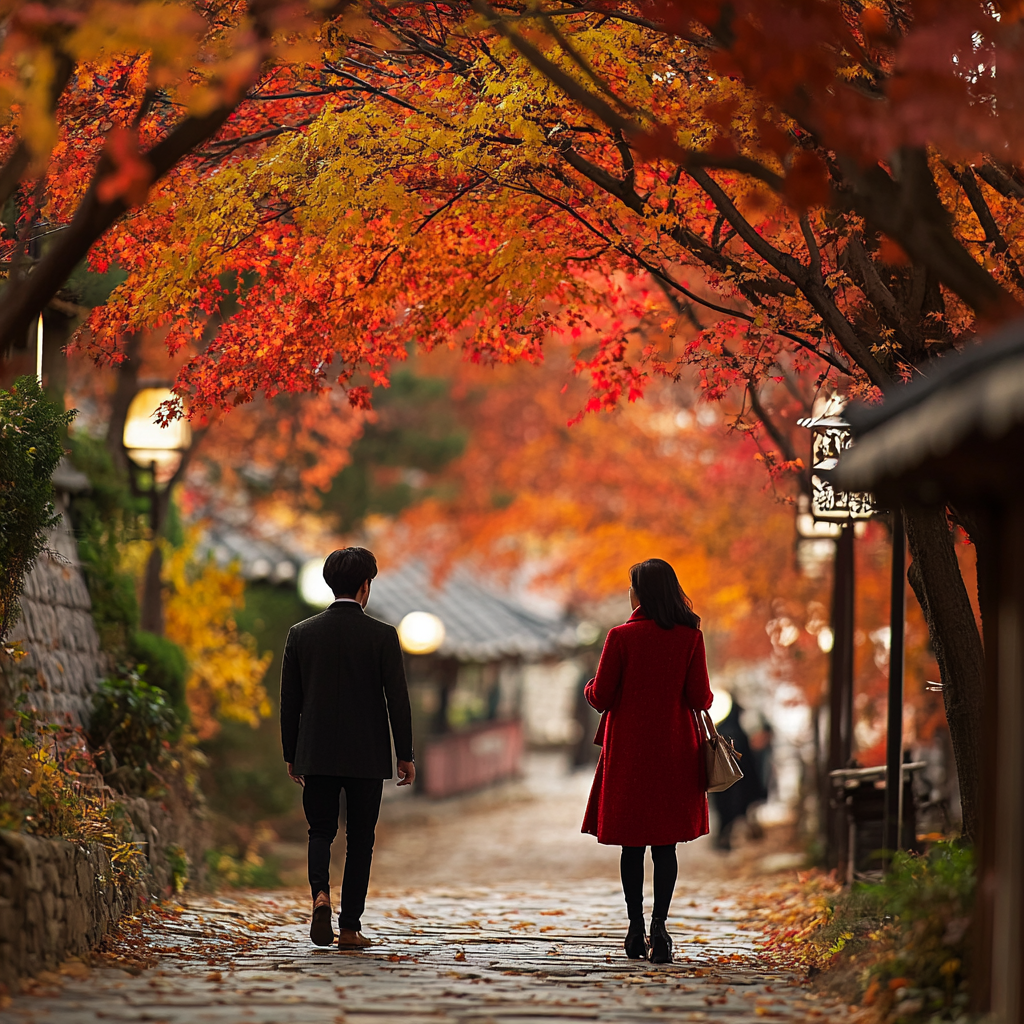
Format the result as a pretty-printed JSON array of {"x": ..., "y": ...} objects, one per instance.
[
  {"x": 406, "y": 773},
  {"x": 295, "y": 778}
]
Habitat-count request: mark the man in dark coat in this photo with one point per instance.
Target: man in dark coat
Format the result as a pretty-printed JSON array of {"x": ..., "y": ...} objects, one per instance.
[{"x": 342, "y": 683}]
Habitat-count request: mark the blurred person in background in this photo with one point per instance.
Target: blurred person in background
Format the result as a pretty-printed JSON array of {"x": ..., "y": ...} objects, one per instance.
[
  {"x": 650, "y": 786},
  {"x": 737, "y": 801}
]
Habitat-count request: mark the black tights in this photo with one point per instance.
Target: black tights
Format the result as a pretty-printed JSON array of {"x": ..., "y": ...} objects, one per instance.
[{"x": 631, "y": 866}]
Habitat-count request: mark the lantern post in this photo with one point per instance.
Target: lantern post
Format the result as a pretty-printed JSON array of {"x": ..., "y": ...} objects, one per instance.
[
  {"x": 831, "y": 435},
  {"x": 155, "y": 453}
]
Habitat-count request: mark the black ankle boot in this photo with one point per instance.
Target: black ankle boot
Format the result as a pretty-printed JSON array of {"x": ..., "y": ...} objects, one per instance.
[
  {"x": 661, "y": 942},
  {"x": 636, "y": 941}
]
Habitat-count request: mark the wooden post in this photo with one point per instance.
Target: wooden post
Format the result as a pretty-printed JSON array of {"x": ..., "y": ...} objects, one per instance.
[
  {"x": 891, "y": 838},
  {"x": 1007, "y": 948},
  {"x": 990, "y": 570},
  {"x": 841, "y": 694}
]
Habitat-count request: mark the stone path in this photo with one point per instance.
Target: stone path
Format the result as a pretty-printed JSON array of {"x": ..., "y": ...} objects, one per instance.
[
  {"x": 537, "y": 955},
  {"x": 530, "y": 934}
]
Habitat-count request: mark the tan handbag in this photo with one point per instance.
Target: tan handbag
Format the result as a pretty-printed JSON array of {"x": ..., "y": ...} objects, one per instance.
[{"x": 723, "y": 763}]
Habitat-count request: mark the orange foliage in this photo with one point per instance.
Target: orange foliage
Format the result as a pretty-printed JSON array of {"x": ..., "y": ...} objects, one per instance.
[{"x": 663, "y": 478}]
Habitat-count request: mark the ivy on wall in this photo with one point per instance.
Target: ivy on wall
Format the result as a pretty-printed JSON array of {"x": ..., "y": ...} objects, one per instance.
[{"x": 31, "y": 443}]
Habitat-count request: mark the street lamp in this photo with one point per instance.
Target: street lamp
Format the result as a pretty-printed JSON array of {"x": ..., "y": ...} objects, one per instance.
[
  {"x": 421, "y": 633},
  {"x": 161, "y": 450},
  {"x": 313, "y": 588},
  {"x": 150, "y": 445}
]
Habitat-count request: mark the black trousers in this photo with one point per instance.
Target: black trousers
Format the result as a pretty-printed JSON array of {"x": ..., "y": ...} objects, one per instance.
[
  {"x": 631, "y": 867},
  {"x": 321, "y": 800}
]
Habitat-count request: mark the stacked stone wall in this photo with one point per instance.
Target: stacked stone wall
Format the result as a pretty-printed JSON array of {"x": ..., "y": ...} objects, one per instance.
[
  {"x": 56, "y": 901},
  {"x": 63, "y": 662}
]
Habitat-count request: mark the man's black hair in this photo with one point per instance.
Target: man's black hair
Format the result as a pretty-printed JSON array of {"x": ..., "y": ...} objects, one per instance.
[{"x": 347, "y": 569}]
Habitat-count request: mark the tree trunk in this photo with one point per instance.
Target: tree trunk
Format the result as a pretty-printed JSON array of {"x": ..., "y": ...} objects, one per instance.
[
  {"x": 152, "y": 613},
  {"x": 935, "y": 576},
  {"x": 127, "y": 386}
]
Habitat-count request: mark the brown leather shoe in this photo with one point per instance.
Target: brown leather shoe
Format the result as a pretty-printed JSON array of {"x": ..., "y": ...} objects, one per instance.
[
  {"x": 348, "y": 939},
  {"x": 321, "y": 933}
]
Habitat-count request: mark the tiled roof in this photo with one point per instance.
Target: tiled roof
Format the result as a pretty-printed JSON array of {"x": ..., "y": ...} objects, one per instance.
[
  {"x": 480, "y": 623},
  {"x": 258, "y": 558},
  {"x": 978, "y": 390}
]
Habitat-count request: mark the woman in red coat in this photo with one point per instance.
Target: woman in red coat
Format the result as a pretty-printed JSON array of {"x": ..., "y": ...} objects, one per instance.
[{"x": 650, "y": 787}]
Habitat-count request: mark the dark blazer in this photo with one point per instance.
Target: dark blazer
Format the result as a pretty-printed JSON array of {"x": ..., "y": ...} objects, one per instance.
[{"x": 342, "y": 680}]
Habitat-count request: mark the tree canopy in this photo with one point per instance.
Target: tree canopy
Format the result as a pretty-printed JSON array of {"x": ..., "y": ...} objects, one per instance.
[{"x": 792, "y": 196}]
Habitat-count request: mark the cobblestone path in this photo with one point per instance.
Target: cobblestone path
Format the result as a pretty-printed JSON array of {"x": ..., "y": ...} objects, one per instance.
[{"x": 529, "y": 955}]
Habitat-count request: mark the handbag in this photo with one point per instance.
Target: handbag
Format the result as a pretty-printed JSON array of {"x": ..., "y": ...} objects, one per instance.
[{"x": 720, "y": 757}]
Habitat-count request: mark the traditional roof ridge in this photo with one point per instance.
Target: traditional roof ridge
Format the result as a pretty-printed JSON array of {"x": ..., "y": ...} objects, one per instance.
[{"x": 978, "y": 390}]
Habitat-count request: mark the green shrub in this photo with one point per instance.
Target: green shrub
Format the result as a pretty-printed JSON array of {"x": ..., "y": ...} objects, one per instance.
[
  {"x": 31, "y": 444},
  {"x": 131, "y": 728},
  {"x": 178, "y": 862},
  {"x": 46, "y": 789},
  {"x": 106, "y": 518},
  {"x": 162, "y": 663},
  {"x": 906, "y": 936},
  {"x": 248, "y": 870}
]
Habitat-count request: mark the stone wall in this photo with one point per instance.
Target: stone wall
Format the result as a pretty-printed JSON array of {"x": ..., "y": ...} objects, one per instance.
[
  {"x": 56, "y": 901},
  {"x": 63, "y": 662},
  {"x": 57, "y": 898},
  {"x": 163, "y": 827}
]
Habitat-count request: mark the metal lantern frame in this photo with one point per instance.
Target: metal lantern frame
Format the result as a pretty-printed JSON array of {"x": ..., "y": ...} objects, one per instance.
[{"x": 835, "y": 511}]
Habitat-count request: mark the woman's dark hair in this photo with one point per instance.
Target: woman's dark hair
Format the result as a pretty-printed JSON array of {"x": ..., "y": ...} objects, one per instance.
[
  {"x": 347, "y": 569},
  {"x": 660, "y": 596}
]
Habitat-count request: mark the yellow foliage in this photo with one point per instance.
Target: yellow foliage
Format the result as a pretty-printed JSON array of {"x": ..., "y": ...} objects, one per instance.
[
  {"x": 225, "y": 670},
  {"x": 48, "y": 787}
]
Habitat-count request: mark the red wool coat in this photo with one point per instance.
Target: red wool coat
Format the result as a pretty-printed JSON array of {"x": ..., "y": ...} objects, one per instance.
[{"x": 649, "y": 789}]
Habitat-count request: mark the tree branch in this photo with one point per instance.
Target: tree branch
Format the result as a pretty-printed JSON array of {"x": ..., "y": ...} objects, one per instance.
[
  {"x": 814, "y": 290},
  {"x": 909, "y": 210},
  {"x": 784, "y": 444},
  {"x": 683, "y": 236},
  {"x": 993, "y": 174},
  {"x": 17, "y": 163},
  {"x": 20, "y": 304},
  {"x": 91, "y": 220},
  {"x": 969, "y": 183},
  {"x": 659, "y": 139},
  {"x": 662, "y": 276},
  {"x": 813, "y": 252}
]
